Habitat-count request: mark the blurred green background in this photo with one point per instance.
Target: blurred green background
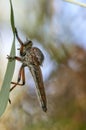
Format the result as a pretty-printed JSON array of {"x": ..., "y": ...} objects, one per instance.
[{"x": 59, "y": 30}]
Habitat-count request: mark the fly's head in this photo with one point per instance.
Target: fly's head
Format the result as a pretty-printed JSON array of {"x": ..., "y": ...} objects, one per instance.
[
  {"x": 28, "y": 45},
  {"x": 25, "y": 47}
]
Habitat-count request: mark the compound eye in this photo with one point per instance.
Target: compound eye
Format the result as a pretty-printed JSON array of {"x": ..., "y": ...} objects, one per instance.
[
  {"x": 28, "y": 44},
  {"x": 29, "y": 41},
  {"x": 22, "y": 51}
]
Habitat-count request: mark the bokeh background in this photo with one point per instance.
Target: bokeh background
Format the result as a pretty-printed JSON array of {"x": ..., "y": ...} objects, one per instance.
[{"x": 58, "y": 28}]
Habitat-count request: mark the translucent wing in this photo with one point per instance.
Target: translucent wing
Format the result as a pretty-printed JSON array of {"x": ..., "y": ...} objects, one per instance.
[{"x": 37, "y": 76}]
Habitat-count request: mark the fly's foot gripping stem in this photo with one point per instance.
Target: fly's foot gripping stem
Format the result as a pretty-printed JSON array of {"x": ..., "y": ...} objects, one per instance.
[
  {"x": 10, "y": 58},
  {"x": 15, "y": 30}
]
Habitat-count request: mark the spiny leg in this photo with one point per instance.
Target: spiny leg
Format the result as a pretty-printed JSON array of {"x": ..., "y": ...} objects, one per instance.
[
  {"x": 18, "y": 37},
  {"x": 10, "y": 58},
  {"x": 21, "y": 43},
  {"x": 20, "y": 75}
]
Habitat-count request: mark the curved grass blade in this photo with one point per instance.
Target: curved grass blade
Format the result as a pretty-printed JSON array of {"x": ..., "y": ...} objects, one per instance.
[
  {"x": 12, "y": 18},
  {"x": 76, "y": 3},
  {"x": 4, "y": 93}
]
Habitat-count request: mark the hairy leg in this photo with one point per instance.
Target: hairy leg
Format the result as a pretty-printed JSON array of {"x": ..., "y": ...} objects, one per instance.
[
  {"x": 10, "y": 58},
  {"x": 21, "y": 75},
  {"x": 18, "y": 37}
]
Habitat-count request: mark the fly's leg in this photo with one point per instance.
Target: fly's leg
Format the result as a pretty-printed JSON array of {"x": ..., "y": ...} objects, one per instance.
[
  {"x": 10, "y": 58},
  {"x": 20, "y": 75},
  {"x": 18, "y": 37},
  {"x": 21, "y": 43}
]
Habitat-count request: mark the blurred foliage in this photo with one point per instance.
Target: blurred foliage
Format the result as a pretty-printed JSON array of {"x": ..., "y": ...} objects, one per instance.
[
  {"x": 66, "y": 95},
  {"x": 59, "y": 53},
  {"x": 65, "y": 88}
]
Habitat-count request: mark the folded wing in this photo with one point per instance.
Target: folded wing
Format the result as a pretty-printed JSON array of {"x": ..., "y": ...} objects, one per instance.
[{"x": 37, "y": 76}]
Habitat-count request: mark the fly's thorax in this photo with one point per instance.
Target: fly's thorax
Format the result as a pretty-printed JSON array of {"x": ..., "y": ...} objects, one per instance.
[
  {"x": 33, "y": 56},
  {"x": 38, "y": 54},
  {"x": 25, "y": 47},
  {"x": 27, "y": 58}
]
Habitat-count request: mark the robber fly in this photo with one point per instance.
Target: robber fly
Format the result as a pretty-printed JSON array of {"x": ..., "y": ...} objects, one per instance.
[{"x": 32, "y": 57}]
